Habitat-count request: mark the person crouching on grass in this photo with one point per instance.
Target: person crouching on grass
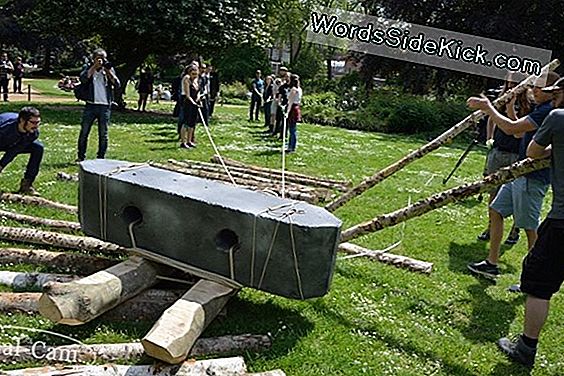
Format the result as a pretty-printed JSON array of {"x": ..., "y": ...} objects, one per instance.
[{"x": 18, "y": 135}]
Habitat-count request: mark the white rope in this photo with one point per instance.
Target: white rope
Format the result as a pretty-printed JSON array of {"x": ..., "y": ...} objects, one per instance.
[
  {"x": 283, "y": 188},
  {"x": 215, "y": 147}
]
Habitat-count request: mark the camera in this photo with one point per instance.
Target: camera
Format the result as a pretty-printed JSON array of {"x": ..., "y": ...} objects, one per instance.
[{"x": 108, "y": 65}]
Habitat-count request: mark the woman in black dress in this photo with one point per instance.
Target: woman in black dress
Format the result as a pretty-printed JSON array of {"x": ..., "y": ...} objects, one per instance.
[
  {"x": 191, "y": 106},
  {"x": 145, "y": 88}
]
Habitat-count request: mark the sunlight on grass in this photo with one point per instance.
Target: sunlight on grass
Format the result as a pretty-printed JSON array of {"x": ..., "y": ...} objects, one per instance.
[{"x": 377, "y": 319}]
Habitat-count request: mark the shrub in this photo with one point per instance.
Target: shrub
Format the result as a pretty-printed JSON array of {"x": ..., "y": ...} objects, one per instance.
[{"x": 234, "y": 90}]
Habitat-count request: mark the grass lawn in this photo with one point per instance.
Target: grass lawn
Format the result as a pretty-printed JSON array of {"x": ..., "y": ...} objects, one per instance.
[{"x": 377, "y": 319}]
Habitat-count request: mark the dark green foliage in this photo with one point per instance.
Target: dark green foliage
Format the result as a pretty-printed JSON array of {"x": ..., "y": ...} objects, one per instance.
[{"x": 239, "y": 63}]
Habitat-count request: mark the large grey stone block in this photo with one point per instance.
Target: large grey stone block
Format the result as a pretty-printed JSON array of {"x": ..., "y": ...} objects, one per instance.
[{"x": 197, "y": 221}]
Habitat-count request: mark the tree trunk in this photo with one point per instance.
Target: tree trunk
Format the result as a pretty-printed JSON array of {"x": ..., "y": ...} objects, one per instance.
[
  {"x": 308, "y": 197},
  {"x": 429, "y": 147},
  {"x": 438, "y": 200},
  {"x": 26, "y": 235},
  {"x": 36, "y": 221},
  {"x": 68, "y": 262},
  {"x": 272, "y": 175},
  {"x": 39, "y": 201},
  {"x": 388, "y": 258},
  {"x": 256, "y": 177},
  {"x": 172, "y": 337},
  {"x": 147, "y": 306},
  {"x": 79, "y": 302},
  {"x": 33, "y": 281},
  {"x": 219, "y": 367},
  {"x": 289, "y": 174},
  {"x": 225, "y": 345}
]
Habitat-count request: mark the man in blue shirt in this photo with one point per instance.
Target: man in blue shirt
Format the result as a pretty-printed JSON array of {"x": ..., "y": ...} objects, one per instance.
[
  {"x": 257, "y": 88},
  {"x": 18, "y": 135},
  {"x": 522, "y": 197}
]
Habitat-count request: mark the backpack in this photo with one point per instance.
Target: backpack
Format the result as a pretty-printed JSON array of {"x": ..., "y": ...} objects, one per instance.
[{"x": 81, "y": 92}]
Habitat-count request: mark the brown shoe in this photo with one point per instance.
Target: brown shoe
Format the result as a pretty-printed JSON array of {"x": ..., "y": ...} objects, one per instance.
[{"x": 26, "y": 188}]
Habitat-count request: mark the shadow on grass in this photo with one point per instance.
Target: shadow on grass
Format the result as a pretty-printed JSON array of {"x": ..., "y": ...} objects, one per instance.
[{"x": 462, "y": 254}]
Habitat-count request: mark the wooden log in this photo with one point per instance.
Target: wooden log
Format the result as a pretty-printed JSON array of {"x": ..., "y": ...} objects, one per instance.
[
  {"x": 224, "y": 345},
  {"x": 291, "y": 174},
  {"x": 69, "y": 262},
  {"x": 22, "y": 302},
  {"x": 34, "y": 281},
  {"x": 271, "y": 176},
  {"x": 388, "y": 258},
  {"x": 54, "y": 239},
  {"x": 81, "y": 301},
  {"x": 67, "y": 177},
  {"x": 38, "y": 201},
  {"x": 174, "y": 334},
  {"x": 219, "y": 367},
  {"x": 438, "y": 200},
  {"x": 36, "y": 221},
  {"x": 274, "y": 372},
  {"x": 295, "y": 195},
  {"x": 444, "y": 138},
  {"x": 148, "y": 305}
]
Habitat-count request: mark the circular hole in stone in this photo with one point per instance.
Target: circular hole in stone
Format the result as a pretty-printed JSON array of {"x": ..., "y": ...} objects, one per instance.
[
  {"x": 131, "y": 214},
  {"x": 227, "y": 239}
]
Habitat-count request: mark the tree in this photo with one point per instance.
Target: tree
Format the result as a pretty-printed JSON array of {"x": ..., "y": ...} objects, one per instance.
[{"x": 131, "y": 30}]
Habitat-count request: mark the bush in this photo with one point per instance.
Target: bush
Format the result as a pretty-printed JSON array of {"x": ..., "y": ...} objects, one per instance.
[
  {"x": 414, "y": 116},
  {"x": 235, "y": 90}
]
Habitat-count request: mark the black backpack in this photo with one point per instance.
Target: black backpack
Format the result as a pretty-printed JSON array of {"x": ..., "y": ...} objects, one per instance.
[{"x": 81, "y": 92}]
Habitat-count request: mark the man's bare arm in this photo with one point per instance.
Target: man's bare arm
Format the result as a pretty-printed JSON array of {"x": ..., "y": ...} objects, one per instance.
[{"x": 537, "y": 151}]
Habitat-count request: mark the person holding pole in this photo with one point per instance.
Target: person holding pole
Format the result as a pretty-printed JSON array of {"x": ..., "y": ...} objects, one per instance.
[
  {"x": 522, "y": 197},
  {"x": 543, "y": 267}
]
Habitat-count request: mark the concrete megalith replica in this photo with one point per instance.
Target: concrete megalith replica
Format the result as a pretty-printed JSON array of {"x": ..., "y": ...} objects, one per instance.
[{"x": 217, "y": 231}]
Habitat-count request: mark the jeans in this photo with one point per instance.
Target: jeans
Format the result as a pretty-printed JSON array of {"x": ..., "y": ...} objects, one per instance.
[
  {"x": 4, "y": 87},
  {"x": 256, "y": 103},
  {"x": 267, "y": 108},
  {"x": 292, "y": 127},
  {"x": 17, "y": 84},
  {"x": 91, "y": 113}
]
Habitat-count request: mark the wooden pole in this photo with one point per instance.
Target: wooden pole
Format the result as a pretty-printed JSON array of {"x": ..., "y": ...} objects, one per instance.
[
  {"x": 176, "y": 331},
  {"x": 38, "y": 201},
  {"x": 433, "y": 145},
  {"x": 81, "y": 301},
  {"x": 36, "y": 221},
  {"x": 438, "y": 200},
  {"x": 54, "y": 239},
  {"x": 307, "y": 195},
  {"x": 224, "y": 345},
  {"x": 271, "y": 177},
  {"x": 148, "y": 305},
  {"x": 269, "y": 171},
  {"x": 33, "y": 281},
  {"x": 388, "y": 258},
  {"x": 218, "y": 367},
  {"x": 66, "y": 261}
]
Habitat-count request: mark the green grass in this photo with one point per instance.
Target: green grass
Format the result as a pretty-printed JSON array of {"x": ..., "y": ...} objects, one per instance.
[{"x": 377, "y": 319}]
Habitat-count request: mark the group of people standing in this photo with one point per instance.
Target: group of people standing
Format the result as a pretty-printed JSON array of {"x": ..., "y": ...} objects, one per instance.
[
  {"x": 280, "y": 97},
  {"x": 195, "y": 91},
  {"x": 532, "y": 125},
  {"x": 8, "y": 71}
]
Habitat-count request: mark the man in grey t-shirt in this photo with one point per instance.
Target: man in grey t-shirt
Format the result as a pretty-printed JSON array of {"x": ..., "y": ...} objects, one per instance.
[{"x": 543, "y": 267}]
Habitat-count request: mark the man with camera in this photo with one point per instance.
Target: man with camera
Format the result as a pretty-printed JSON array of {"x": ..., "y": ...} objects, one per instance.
[{"x": 100, "y": 78}]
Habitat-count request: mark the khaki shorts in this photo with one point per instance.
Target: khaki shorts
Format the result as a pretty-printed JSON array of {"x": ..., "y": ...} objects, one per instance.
[{"x": 497, "y": 159}]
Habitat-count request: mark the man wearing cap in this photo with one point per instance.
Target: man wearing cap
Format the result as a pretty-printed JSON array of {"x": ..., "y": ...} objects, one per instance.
[
  {"x": 522, "y": 197},
  {"x": 18, "y": 135},
  {"x": 543, "y": 267}
]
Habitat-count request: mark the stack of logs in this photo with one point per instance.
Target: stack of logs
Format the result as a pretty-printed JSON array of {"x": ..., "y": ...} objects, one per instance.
[
  {"x": 117, "y": 288},
  {"x": 297, "y": 186}
]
